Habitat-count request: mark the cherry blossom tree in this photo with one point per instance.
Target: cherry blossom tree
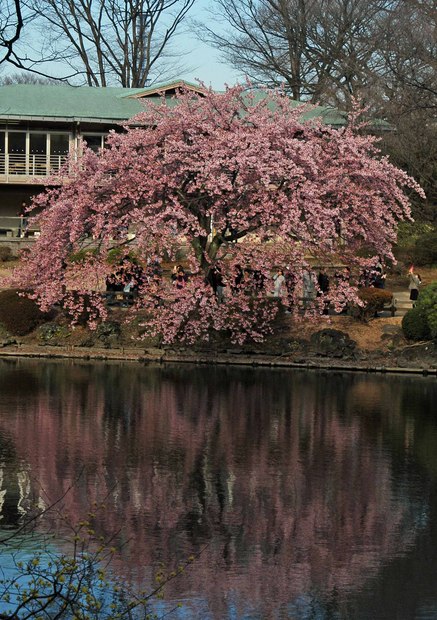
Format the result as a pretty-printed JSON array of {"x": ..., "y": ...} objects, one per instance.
[{"x": 237, "y": 179}]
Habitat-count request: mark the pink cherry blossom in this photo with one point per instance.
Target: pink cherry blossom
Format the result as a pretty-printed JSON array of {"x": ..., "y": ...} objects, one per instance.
[{"x": 236, "y": 178}]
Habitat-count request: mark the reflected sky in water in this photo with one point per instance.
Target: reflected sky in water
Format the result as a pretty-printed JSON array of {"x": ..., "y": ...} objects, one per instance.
[{"x": 307, "y": 494}]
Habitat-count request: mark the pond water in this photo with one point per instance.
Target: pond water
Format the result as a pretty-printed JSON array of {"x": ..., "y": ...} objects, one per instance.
[{"x": 304, "y": 495}]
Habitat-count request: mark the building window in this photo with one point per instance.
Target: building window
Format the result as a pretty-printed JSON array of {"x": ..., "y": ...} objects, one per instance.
[
  {"x": 38, "y": 154},
  {"x": 32, "y": 153},
  {"x": 2, "y": 152},
  {"x": 59, "y": 144},
  {"x": 17, "y": 152},
  {"x": 95, "y": 142},
  {"x": 16, "y": 142},
  {"x": 59, "y": 149}
]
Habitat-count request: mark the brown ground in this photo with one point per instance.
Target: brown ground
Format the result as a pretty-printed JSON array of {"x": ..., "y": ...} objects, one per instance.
[
  {"x": 379, "y": 337},
  {"x": 368, "y": 336}
]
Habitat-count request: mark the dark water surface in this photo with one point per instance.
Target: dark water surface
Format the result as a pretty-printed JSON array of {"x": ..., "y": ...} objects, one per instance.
[{"x": 312, "y": 495}]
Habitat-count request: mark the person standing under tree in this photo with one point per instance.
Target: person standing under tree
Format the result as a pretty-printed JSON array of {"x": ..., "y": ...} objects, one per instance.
[
  {"x": 279, "y": 280},
  {"x": 413, "y": 286}
]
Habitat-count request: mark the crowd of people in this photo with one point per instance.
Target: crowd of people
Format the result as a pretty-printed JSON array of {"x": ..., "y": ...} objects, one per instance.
[{"x": 130, "y": 276}]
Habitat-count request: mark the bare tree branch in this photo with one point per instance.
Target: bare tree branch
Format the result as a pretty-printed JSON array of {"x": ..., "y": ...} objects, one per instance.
[
  {"x": 11, "y": 25},
  {"x": 123, "y": 42},
  {"x": 318, "y": 49}
]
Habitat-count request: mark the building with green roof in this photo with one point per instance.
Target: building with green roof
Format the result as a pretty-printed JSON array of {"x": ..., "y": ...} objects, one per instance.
[{"x": 40, "y": 125}]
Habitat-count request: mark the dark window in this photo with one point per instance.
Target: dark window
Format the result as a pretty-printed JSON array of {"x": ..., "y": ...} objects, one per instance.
[
  {"x": 2, "y": 152},
  {"x": 16, "y": 142},
  {"x": 59, "y": 144},
  {"x": 38, "y": 154},
  {"x": 17, "y": 152},
  {"x": 93, "y": 142},
  {"x": 38, "y": 143}
]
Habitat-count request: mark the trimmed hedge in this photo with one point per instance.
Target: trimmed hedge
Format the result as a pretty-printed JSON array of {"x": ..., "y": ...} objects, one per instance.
[
  {"x": 415, "y": 325},
  {"x": 428, "y": 303},
  {"x": 20, "y": 315},
  {"x": 374, "y": 300},
  {"x": 420, "y": 323}
]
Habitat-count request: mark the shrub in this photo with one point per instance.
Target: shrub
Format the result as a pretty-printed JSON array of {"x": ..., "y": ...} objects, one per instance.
[
  {"x": 415, "y": 325},
  {"x": 20, "y": 315},
  {"x": 52, "y": 333},
  {"x": 5, "y": 254},
  {"x": 427, "y": 303},
  {"x": 408, "y": 235},
  {"x": 374, "y": 300},
  {"x": 425, "y": 249}
]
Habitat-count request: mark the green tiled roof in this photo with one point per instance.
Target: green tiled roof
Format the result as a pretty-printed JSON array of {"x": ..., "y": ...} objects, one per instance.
[
  {"x": 330, "y": 116},
  {"x": 104, "y": 105},
  {"x": 68, "y": 102},
  {"x": 51, "y": 102}
]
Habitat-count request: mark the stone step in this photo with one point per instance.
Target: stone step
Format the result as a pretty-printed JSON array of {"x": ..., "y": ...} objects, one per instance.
[{"x": 403, "y": 303}]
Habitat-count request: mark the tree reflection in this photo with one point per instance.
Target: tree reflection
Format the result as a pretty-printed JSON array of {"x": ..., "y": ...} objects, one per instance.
[{"x": 291, "y": 478}]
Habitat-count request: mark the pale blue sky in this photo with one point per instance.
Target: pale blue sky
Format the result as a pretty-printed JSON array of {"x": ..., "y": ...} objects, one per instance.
[
  {"x": 201, "y": 61},
  {"x": 208, "y": 66},
  {"x": 204, "y": 61}
]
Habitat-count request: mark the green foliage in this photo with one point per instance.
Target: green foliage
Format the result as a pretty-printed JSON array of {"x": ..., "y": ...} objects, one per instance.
[
  {"x": 427, "y": 303},
  {"x": 420, "y": 323},
  {"x": 415, "y": 325},
  {"x": 425, "y": 249},
  {"x": 5, "y": 254},
  {"x": 52, "y": 333},
  {"x": 409, "y": 232},
  {"x": 374, "y": 300},
  {"x": 20, "y": 315},
  {"x": 417, "y": 243}
]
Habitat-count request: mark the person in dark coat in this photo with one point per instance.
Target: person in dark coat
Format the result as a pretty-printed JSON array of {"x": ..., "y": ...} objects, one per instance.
[{"x": 323, "y": 284}]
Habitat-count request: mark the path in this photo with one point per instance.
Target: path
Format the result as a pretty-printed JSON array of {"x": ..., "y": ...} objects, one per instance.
[{"x": 403, "y": 302}]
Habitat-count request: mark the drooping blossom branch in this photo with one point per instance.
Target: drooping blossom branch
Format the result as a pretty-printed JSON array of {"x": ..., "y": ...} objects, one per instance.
[{"x": 236, "y": 178}]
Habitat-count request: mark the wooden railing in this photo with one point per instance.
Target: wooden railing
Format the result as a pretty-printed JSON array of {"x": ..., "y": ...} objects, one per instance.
[
  {"x": 17, "y": 226},
  {"x": 34, "y": 165}
]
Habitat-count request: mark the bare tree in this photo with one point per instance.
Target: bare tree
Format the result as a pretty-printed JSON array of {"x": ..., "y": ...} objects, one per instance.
[
  {"x": 123, "y": 42},
  {"x": 11, "y": 25},
  {"x": 328, "y": 51},
  {"x": 408, "y": 99},
  {"x": 413, "y": 146},
  {"x": 316, "y": 49},
  {"x": 410, "y": 55}
]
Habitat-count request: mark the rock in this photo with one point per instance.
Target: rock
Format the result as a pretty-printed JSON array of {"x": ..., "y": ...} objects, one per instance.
[
  {"x": 391, "y": 329},
  {"x": 7, "y": 342},
  {"x": 332, "y": 343}
]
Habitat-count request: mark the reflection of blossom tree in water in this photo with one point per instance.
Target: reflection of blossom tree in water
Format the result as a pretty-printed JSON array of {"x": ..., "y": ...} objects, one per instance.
[{"x": 265, "y": 468}]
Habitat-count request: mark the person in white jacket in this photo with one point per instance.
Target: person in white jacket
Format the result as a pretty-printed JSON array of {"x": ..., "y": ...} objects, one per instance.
[
  {"x": 413, "y": 285},
  {"x": 279, "y": 280}
]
